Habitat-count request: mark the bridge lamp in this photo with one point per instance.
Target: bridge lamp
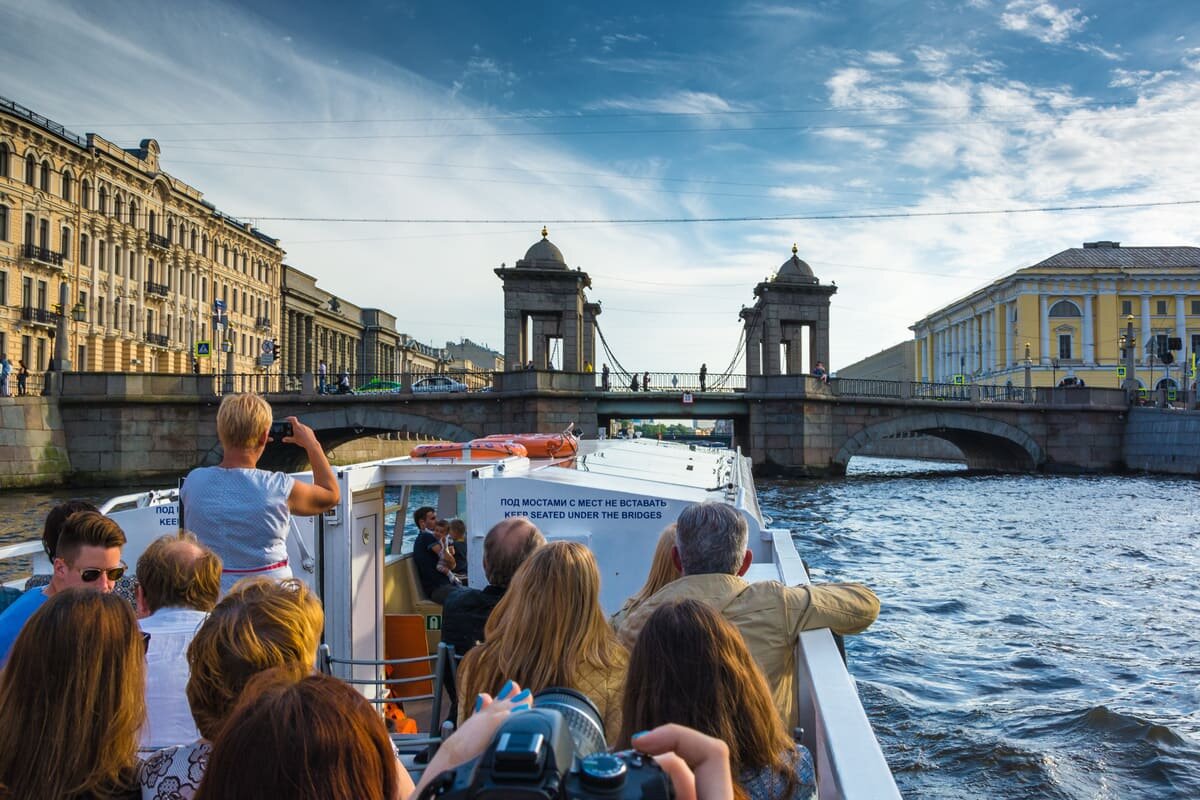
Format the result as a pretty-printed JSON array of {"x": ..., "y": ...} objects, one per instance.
[
  {"x": 78, "y": 312},
  {"x": 1027, "y": 356}
]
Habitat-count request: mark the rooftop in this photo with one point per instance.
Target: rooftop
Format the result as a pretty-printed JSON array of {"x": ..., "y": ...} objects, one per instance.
[{"x": 1111, "y": 254}]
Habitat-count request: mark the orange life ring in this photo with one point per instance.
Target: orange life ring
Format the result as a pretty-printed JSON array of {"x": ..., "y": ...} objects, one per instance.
[
  {"x": 539, "y": 445},
  {"x": 469, "y": 451}
]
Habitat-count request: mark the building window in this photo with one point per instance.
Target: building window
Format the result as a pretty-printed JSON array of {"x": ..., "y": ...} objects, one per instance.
[
  {"x": 100, "y": 312},
  {"x": 130, "y": 317},
  {"x": 1196, "y": 308},
  {"x": 3, "y": 291},
  {"x": 66, "y": 244},
  {"x": 102, "y": 206},
  {"x": 3, "y": 223},
  {"x": 27, "y": 291},
  {"x": 170, "y": 229},
  {"x": 1126, "y": 308},
  {"x": 84, "y": 242},
  {"x": 28, "y": 239},
  {"x": 45, "y": 176},
  {"x": 204, "y": 245},
  {"x": 1064, "y": 346},
  {"x": 116, "y": 261},
  {"x": 118, "y": 208},
  {"x": 41, "y": 358},
  {"x": 41, "y": 294},
  {"x": 1064, "y": 308},
  {"x": 1160, "y": 307},
  {"x": 66, "y": 186},
  {"x": 193, "y": 240},
  {"x": 133, "y": 220},
  {"x": 44, "y": 234},
  {"x": 5, "y": 157},
  {"x": 85, "y": 194},
  {"x": 1196, "y": 342},
  {"x": 133, "y": 272},
  {"x": 203, "y": 290},
  {"x": 30, "y": 169}
]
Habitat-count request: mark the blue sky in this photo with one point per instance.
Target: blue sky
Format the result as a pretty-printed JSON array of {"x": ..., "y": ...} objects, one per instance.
[{"x": 619, "y": 111}]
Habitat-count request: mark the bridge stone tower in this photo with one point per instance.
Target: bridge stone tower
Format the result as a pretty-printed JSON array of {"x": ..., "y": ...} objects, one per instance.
[
  {"x": 786, "y": 304},
  {"x": 544, "y": 305}
]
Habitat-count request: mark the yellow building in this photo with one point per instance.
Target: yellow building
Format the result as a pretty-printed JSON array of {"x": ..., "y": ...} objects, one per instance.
[
  {"x": 136, "y": 263},
  {"x": 1071, "y": 312}
]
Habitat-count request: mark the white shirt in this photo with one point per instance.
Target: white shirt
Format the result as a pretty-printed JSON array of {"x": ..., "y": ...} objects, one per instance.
[{"x": 168, "y": 716}]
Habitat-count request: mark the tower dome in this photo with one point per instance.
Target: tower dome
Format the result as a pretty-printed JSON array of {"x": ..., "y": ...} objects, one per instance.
[
  {"x": 543, "y": 255},
  {"x": 795, "y": 270}
]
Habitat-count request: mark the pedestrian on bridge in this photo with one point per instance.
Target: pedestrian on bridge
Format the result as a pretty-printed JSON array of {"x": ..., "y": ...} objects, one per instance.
[
  {"x": 703, "y": 375},
  {"x": 604, "y": 379},
  {"x": 645, "y": 381},
  {"x": 633, "y": 384}
]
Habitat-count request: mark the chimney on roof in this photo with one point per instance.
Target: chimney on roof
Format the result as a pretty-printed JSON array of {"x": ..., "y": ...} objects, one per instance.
[{"x": 1101, "y": 245}]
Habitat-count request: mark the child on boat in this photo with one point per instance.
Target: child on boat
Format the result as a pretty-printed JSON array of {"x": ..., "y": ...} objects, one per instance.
[{"x": 446, "y": 560}]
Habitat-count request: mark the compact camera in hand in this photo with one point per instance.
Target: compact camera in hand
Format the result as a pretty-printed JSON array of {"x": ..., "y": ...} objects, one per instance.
[
  {"x": 533, "y": 756},
  {"x": 280, "y": 429}
]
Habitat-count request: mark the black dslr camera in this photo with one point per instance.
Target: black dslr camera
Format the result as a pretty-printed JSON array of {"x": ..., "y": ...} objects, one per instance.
[{"x": 543, "y": 754}]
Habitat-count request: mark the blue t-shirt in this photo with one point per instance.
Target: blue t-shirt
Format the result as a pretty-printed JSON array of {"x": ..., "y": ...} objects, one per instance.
[
  {"x": 240, "y": 514},
  {"x": 15, "y": 616}
]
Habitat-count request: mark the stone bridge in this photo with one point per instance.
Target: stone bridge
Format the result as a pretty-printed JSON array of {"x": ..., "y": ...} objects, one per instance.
[{"x": 123, "y": 428}]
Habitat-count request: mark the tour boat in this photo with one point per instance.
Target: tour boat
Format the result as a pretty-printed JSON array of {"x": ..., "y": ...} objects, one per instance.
[{"x": 614, "y": 496}]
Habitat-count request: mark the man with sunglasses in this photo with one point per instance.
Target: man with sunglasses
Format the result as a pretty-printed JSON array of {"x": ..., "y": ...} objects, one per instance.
[{"x": 88, "y": 556}]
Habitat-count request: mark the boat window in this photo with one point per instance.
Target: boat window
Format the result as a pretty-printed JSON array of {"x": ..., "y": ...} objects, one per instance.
[{"x": 398, "y": 511}]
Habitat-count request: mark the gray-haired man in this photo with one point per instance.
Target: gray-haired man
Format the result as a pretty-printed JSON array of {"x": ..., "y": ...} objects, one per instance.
[{"x": 710, "y": 550}]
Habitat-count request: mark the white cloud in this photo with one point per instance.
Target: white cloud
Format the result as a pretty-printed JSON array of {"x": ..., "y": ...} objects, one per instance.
[
  {"x": 853, "y": 136},
  {"x": 932, "y": 60},
  {"x": 852, "y": 87},
  {"x": 883, "y": 58},
  {"x": 1042, "y": 20},
  {"x": 1191, "y": 58},
  {"x": 1125, "y": 78},
  {"x": 682, "y": 102}
]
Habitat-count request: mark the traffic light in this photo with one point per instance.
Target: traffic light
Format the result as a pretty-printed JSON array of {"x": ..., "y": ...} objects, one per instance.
[
  {"x": 275, "y": 349},
  {"x": 1163, "y": 349}
]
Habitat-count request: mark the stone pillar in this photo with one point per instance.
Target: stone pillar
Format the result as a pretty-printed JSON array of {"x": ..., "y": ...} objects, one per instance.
[
  {"x": 1044, "y": 353},
  {"x": 753, "y": 354},
  {"x": 515, "y": 346},
  {"x": 1180, "y": 322},
  {"x": 1144, "y": 339},
  {"x": 771, "y": 364},
  {"x": 541, "y": 350},
  {"x": 572, "y": 342},
  {"x": 1089, "y": 332}
]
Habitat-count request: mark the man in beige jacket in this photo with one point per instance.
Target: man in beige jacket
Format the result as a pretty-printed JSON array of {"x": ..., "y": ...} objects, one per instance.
[{"x": 710, "y": 551}]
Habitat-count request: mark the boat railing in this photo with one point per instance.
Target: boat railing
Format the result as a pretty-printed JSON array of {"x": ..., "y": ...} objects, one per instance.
[{"x": 850, "y": 763}]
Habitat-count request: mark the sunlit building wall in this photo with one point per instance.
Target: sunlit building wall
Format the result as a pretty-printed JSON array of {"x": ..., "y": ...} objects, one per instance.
[{"x": 1070, "y": 312}]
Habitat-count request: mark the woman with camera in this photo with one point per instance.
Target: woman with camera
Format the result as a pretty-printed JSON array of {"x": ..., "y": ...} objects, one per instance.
[
  {"x": 572, "y": 648},
  {"x": 242, "y": 513},
  {"x": 691, "y": 667}
]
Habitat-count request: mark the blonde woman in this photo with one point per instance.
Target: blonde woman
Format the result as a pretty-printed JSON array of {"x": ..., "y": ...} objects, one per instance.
[
  {"x": 242, "y": 513},
  {"x": 72, "y": 700},
  {"x": 663, "y": 570},
  {"x": 574, "y": 647}
]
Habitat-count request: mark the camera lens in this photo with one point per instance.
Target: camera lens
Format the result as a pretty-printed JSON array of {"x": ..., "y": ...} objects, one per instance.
[{"x": 602, "y": 771}]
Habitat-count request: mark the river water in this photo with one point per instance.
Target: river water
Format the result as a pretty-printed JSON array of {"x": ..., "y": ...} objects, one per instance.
[{"x": 1039, "y": 638}]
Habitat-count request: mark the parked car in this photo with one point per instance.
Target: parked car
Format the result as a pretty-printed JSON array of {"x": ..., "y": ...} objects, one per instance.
[
  {"x": 438, "y": 383},
  {"x": 377, "y": 386}
]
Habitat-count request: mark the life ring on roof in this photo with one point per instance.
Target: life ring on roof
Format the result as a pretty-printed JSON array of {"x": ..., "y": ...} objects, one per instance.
[
  {"x": 539, "y": 445},
  {"x": 469, "y": 451}
]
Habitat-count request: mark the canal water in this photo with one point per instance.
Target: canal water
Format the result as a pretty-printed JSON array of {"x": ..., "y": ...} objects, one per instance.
[{"x": 1039, "y": 638}]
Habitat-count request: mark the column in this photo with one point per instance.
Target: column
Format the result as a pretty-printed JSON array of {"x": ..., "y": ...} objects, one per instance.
[
  {"x": 1000, "y": 329},
  {"x": 771, "y": 364},
  {"x": 1044, "y": 352},
  {"x": 1181, "y": 321},
  {"x": 1089, "y": 332},
  {"x": 1144, "y": 340},
  {"x": 985, "y": 352}
]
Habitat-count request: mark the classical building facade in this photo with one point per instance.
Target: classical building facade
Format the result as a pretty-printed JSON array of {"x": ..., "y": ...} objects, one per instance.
[
  {"x": 319, "y": 326},
  {"x": 467, "y": 356},
  {"x": 108, "y": 263},
  {"x": 1069, "y": 313}
]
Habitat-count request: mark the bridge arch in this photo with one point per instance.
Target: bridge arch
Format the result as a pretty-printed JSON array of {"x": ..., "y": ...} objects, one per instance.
[
  {"x": 339, "y": 424},
  {"x": 986, "y": 443}
]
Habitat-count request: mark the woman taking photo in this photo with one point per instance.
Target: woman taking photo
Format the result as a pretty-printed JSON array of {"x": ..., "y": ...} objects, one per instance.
[
  {"x": 691, "y": 667},
  {"x": 572, "y": 648},
  {"x": 72, "y": 701}
]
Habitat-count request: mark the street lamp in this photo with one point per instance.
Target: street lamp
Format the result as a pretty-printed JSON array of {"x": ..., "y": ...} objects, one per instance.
[
  {"x": 1028, "y": 373},
  {"x": 78, "y": 312},
  {"x": 1054, "y": 372}
]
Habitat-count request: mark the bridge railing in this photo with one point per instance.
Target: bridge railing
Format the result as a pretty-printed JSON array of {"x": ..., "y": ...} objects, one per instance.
[
  {"x": 867, "y": 387},
  {"x": 674, "y": 382}
]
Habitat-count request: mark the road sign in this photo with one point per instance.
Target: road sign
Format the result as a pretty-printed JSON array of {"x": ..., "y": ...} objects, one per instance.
[
  {"x": 1171, "y": 395},
  {"x": 687, "y": 398},
  {"x": 203, "y": 349},
  {"x": 218, "y": 305},
  {"x": 266, "y": 360},
  {"x": 959, "y": 380},
  {"x": 1122, "y": 372},
  {"x": 267, "y": 347}
]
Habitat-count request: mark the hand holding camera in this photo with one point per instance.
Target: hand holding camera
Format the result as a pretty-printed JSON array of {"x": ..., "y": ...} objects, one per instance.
[{"x": 293, "y": 431}]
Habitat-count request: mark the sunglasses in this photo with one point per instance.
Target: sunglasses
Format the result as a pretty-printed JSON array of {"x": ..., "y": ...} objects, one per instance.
[{"x": 92, "y": 574}]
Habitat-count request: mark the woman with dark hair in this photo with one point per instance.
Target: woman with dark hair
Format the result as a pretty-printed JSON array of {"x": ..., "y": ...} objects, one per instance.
[
  {"x": 309, "y": 739},
  {"x": 691, "y": 667},
  {"x": 72, "y": 701}
]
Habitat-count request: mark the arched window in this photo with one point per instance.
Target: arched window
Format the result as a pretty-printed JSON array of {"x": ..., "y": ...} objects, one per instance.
[
  {"x": 65, "y": 243},
  {"x": 102, "y": 206},
  {"x": 45, "y": 176},
  {"x": 118, "y": 207},
  {"x": 225, "y": 254},
  {"x": 193, "y": 240},
  {"x": 5, "y": 156},
  {"x": 84, "y": 242},
  {"x": 152, "y": 223},
  {"x": 85, "y": 194},
  {"x": 1064, "y": 308},
  {"x": 30, "y": 169},
  {"x": 133, "y": 209},
  {"x": 66, "y": 186},
  {"x": 170, "y": 229},
  {"x": 204, "y": 245}
]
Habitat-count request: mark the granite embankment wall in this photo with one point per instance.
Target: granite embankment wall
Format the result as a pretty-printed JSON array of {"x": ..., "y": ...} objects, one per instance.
[
  {"x": 1163, "y": 440},
  {"x": 370, "y": 448},
  {"x": 922, "y": 448},
  {"x": 33, "y": 444}
]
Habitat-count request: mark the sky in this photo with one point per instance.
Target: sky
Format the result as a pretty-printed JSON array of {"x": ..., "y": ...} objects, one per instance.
[{"x": 675, "y": 151}]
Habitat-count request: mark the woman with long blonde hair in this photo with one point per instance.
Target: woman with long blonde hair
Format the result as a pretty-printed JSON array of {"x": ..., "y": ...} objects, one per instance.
[
  {"x": 72, "y": 701},
  {"x": 690, "y": 666},
  {"x": 572, "y": 647},
  {"x": 663, "y": 570}
]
